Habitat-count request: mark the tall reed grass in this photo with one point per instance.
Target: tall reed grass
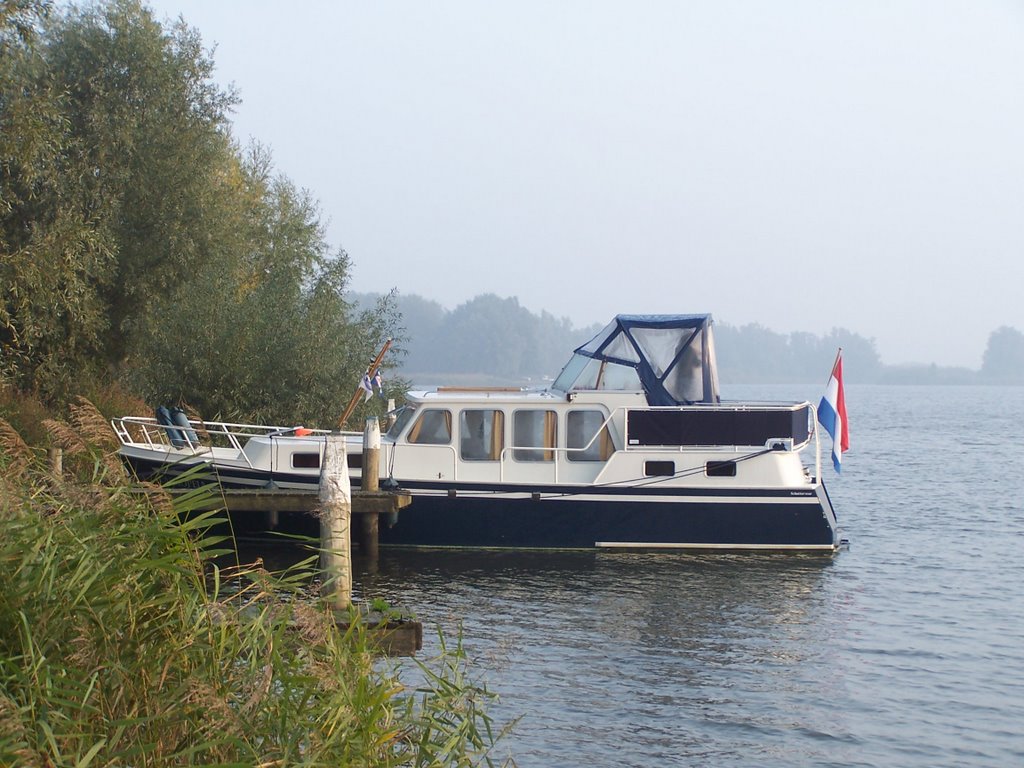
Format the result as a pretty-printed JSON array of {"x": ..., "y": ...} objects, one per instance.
[{"x": 122, "y": 643}]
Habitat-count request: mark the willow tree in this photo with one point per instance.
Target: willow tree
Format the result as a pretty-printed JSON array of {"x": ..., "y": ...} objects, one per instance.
[
  {"x": 266, "y": 334},
  {"x": 151, "y": 149},
  {"x": 138, "y": 241},
  {"x": 53, "y": 254}
]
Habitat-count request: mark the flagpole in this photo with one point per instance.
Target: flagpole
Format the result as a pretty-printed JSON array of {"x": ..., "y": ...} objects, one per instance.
[
  {"x": 371, "y": 372},
  {"x": 835, "y": 362},
  {"x": 817, "y": 419}
]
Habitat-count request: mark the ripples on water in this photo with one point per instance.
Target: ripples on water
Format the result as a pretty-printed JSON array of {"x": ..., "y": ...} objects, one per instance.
[
  {"x": 904, "y": 650},
  {"x": 619, "y": 659}
]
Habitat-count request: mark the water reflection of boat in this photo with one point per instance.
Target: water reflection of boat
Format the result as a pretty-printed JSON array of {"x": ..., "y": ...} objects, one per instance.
[{"x": 630, "y": 447}]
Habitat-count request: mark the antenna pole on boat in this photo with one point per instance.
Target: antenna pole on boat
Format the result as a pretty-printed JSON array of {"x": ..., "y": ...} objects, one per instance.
[{"x": 371, "y": 372}]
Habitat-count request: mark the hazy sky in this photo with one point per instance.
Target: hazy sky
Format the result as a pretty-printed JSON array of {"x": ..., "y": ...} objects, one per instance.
[{"x": 802, "y": 165}]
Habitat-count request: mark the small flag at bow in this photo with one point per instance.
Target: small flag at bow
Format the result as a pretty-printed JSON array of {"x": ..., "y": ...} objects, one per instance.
[
  {"x": 832, "y": 413},
  {"x": 367, "y": 386}
]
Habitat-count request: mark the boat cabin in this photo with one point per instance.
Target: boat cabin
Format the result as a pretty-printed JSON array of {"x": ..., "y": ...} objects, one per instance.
[{"x": 645, "y": 385}]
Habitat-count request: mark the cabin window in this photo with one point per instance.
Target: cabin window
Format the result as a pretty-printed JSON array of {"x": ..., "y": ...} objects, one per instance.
[
  {"x": 587, "y": 433},
  {"x": 720, "y": 469},
  {"x": 481, "y": 434},
  {"x": 305, "y": 461},
  {"x": 659, "y": 468},
  {"x": 403, "y": 416},
  {"x": 433, "y": 427},
  {"x": 536, "y": 431}
]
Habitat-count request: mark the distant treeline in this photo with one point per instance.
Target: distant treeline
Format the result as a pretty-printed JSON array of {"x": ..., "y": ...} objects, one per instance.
[
  {"x": 752, "y": 354},
  {"x": 487, "y": 338},
  {"x": 490, "y": 338}
]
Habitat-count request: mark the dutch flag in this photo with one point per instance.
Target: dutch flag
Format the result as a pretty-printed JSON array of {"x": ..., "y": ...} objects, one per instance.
[{"x": 832, "y": 413}]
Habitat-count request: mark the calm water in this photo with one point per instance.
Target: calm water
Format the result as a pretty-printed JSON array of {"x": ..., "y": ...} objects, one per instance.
[{"x": 903, "y": 650}]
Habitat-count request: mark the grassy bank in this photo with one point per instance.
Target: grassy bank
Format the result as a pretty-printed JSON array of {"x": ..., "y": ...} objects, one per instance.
[{"x": 122, "y": 643}]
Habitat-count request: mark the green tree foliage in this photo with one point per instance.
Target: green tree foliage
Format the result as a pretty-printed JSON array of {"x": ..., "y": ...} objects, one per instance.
[
  {"x": 51, "y": 253},
  {"x": 137, "y": 241},
  {"x": 150, "y": 149},
  {"x": 18, "y": 20},
  {"x": 1003, "y": 361},
  {"x": 270, "y": 337}
]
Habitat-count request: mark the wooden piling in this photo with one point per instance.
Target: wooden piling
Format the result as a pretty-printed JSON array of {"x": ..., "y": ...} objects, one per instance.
[
  {"x": 369, "y": 524},
  {"x": 335, "y": 494},
  {"x": 394, "y": 637},
  {"x": 371, "y": 456}
]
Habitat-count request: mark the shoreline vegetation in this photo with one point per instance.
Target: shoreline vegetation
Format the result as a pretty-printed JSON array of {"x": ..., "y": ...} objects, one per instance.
[{"x": 127, "y": 641}]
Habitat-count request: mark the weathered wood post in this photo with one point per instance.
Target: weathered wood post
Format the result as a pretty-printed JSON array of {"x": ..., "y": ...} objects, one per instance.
[
  {"x": 369, "y": 525},
  {"x": 335, "y": 524}
]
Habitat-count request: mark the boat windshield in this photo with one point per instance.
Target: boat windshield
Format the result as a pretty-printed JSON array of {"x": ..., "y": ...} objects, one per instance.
[
  {"x": 403, "y": 416},
  {"x": 587, "y": 373}
]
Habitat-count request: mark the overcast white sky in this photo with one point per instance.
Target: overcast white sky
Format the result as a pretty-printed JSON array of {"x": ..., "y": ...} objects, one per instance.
[{"x": 799, "y": 164}]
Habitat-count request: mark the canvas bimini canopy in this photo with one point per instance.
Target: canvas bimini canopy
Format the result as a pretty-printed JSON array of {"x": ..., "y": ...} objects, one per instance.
[{"x": 669, "y": 357}]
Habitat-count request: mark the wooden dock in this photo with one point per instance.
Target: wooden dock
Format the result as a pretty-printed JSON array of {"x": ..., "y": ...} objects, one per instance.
[
  {"x": 367, "y": 508},
  {"x": 277, "y": 500}
]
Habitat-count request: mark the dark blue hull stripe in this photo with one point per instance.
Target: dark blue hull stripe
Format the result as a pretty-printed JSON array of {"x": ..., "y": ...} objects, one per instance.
[
  {"x": 557, "y": 517},
  {"x": 584, "y": 523}
]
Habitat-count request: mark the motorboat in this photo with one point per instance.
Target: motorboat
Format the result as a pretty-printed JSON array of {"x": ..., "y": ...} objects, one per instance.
[{"x": 630, "y": 447}]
